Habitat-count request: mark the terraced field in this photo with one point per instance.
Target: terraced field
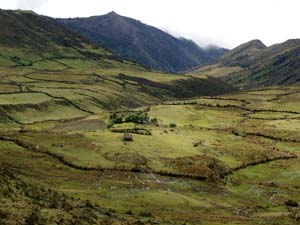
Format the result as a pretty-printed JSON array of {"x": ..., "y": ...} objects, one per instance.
[{"x": 229, "y": 159}]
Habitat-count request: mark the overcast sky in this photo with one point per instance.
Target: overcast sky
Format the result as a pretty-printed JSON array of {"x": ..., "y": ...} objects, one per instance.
[{"x": 226, "y": 23}]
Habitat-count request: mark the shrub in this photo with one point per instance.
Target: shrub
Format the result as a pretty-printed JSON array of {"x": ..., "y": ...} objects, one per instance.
[
  {"x": 291, "y": 203},
  {"x": 145, "y": 214},
  {"x": 154, "y": 121},
  {"x": 139, "y": 118},
  {"x": 117, "y": 120},
  {"x": 173, "y": 125}
]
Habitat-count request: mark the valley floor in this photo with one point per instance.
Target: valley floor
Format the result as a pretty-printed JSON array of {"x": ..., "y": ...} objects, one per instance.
[{"x": 229, "y": 159}]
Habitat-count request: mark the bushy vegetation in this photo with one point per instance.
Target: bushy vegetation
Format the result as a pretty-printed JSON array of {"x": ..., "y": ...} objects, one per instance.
[
  {"x": 137, "y": 118},
  {"x": 172, "y": 125}
]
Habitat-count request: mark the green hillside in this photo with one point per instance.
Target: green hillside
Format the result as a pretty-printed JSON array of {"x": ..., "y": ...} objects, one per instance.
[{"x": 27, "y": 38}]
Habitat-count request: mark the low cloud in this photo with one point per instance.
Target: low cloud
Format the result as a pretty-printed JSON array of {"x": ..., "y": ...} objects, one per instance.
[{"x": 30, "y": 4}]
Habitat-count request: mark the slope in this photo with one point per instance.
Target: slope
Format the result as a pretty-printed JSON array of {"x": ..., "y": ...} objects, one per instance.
[
  {"x": 37, "y": 37},
  {"x": 253, "y": 65},
  {"x": 276, "y": 65}
]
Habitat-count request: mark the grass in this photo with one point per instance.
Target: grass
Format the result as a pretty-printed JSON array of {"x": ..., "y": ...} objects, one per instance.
[
  {"x": 23, "y": 98},
  {"x": 185, "y": 115},
  {"x": 56, "y": 110},
  {"x": 215, "y": 71}
]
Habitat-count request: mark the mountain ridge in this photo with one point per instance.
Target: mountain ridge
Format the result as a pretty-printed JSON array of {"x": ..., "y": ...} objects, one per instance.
[
  {"x": 134, "y": 40},
  {"x": 278, "y": 64}
]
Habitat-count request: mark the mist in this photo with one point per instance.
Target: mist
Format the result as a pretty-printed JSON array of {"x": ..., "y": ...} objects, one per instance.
[{"x": 30, "y": 4}]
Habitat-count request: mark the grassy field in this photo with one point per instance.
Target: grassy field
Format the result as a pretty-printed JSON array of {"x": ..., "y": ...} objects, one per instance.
[
  {"x": 229, "y": 159},
  {"x": 214, "y": 70}
]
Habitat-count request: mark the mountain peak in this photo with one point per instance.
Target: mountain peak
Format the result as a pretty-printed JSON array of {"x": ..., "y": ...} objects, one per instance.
[
  {"x": 256, "y": 43},
  {"x": 112, "y": 14},
  {"x": 131, "y": 39},
  {"x": 243, "y": 54}
]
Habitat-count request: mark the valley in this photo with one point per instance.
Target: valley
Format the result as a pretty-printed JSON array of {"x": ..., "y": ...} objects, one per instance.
[{"x": 88, "y": 137}]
